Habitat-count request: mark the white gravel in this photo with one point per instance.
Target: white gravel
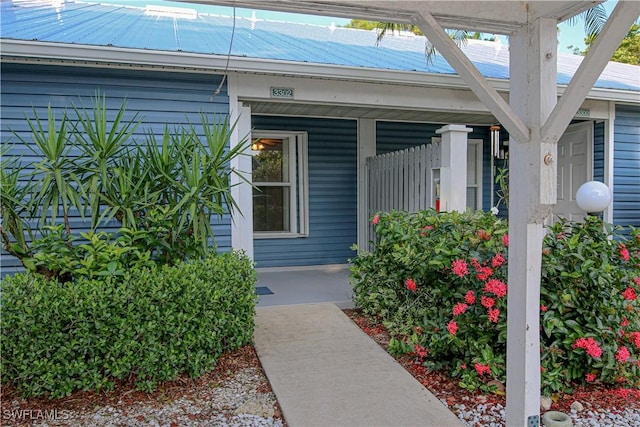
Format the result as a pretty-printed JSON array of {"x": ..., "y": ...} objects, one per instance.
[
  {"x": 234, "y": 403},
  {"x": 488, "y": 415}
]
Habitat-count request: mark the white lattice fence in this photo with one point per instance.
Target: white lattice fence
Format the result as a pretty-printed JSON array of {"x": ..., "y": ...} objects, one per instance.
[{"x": 402, "y": 180}]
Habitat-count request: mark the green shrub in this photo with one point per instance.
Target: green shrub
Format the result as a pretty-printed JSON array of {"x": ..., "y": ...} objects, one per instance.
[
  {"x": 150, "y": 324},
  {"x": 101, "y": 254},
  {"x": 439, "y": 281},
  {"x": 589, "y": 306}
]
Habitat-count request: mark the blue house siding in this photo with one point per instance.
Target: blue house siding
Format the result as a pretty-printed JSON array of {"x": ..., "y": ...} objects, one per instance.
[
  {"x": 626, "y": 182},
  {"x": 162, "y": 98},
  {"x": 332, "y": 195}
]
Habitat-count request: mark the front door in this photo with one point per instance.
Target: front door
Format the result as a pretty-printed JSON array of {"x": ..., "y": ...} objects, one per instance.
[{"x": 575, "y": 167}]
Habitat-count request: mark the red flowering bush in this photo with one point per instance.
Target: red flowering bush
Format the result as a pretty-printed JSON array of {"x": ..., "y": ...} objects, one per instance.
[
  {"x": 590, "y": 282},
  {"x": 438, "y": 281}
]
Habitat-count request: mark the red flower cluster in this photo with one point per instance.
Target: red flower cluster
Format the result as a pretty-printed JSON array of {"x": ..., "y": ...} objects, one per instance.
[
  {"x": 589, "y": 345},
  {"x": 494, "y": 315},
  {"x": 635, "y": 338},
  {"x": 496, "y": 287},
  {"x": 452, "y": 327},
  {"x": 459, "y": 267},
  {"x": 459, "y": 308},
  {"x": 505, "y": 239},
  {"x": 622, "y": 355},
  {"x": 629, "y": 294},
  {"x": 487, "y": 302},
  {"x": 470, "y": 297},
  {"x": 375, "y": 220},
  {"x": 482, "y": 369},
  {"x": 411, "y": 284},
  {"x": 497, "y": 260},
  {"x": 590, "y": 378},
  {"x": 624, "y": 252},
  {"x": 484, "y": 273},
  {"x": 543, "y": 307}
]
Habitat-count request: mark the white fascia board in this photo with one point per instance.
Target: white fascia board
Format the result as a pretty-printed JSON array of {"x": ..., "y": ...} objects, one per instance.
[
  {"x": 357, "y": 94},
  {"x": 105, "y": 56}
]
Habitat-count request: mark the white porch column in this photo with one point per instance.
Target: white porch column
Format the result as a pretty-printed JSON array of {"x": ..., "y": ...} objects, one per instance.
[
  {"x": 366, "y": 148},
  {"x": 453, "y": 169},
  {"x": 532, "y": 192},
  {"x": 609, "y": 153},
  {"x": 241, "y": 191}
]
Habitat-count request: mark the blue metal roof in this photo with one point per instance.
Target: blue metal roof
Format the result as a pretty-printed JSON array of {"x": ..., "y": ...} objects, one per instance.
[{"x": 143, "y": 28}]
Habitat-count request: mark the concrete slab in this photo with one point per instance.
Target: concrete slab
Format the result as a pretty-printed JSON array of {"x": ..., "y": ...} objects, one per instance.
[
  {"x": 326, "y": 372},
  {"x": 305, "y": 285}
]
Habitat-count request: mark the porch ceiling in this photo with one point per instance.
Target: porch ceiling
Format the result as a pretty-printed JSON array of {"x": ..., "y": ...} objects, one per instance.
[
  {"x": 350, "y": 112},
  {"x": 492, "y": 16}
]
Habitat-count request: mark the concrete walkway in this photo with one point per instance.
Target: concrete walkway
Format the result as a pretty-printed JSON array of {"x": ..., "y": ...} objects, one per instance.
[
  {"x": 329, "y": 283},
  {"x": 326, "y": 372}
]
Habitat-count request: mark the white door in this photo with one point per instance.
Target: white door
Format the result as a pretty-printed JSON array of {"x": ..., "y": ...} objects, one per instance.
[{"x": 575, "y": 167}]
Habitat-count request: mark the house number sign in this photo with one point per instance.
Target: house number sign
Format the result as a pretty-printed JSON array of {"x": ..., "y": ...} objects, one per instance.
[{"x": 282, "y": 92}]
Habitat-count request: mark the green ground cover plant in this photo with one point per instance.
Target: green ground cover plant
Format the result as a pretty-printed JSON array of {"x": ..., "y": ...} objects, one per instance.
[
  {"x": 150, "y": 324},
  {"x": 438, "y": 282}
]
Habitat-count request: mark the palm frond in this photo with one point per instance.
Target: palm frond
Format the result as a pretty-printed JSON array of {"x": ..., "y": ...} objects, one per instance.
[
  {"x": 594, "y": 20},
  {"x": 460, "y": 37}
]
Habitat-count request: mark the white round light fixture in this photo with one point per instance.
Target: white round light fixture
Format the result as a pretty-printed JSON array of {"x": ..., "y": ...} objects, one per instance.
[{"x": 593, "y": 196}]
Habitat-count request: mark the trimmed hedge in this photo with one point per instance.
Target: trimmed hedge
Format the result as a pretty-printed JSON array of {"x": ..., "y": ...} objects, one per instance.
[{"x": 151, "y": 325}]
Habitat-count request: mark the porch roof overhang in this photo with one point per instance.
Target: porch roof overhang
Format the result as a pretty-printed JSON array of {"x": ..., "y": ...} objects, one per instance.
[{"x": 497, "y": 16}]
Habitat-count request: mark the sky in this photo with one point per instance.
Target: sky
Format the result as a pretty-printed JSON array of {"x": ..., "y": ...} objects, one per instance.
[{"x": 569, "y": 35}]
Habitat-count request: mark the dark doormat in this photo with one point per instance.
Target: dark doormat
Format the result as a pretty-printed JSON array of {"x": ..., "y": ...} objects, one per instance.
[{"x": 263, "y": 290}]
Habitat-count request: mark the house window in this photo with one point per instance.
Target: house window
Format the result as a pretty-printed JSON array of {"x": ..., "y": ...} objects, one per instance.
[
  {"x": 474, "y": 174},
  {"x": 279, "y": 176}
]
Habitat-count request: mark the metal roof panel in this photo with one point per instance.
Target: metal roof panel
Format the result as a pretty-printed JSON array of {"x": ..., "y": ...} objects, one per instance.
[{"x": 75, "y": 22}]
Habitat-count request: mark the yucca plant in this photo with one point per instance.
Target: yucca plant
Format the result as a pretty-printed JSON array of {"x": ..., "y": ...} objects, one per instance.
[
  {"x": 126, "y": 192},
  {"x": 205, "y": 171},
  {"x": 12, "y": 196},
  {"x": 101, "y": 143},
  {"x": 57, "y": 183}
]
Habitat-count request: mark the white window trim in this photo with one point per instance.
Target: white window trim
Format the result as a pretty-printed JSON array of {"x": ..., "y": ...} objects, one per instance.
[
  {"x": 478, "y": 147},
  {"x": 298, "y": 184}
]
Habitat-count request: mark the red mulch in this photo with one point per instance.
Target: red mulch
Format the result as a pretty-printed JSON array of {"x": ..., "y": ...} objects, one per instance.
[{"x": 445, "y": 387}]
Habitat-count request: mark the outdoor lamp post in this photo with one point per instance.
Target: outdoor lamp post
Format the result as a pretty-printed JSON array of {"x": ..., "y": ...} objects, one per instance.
[{"x": 593, "y": 197}]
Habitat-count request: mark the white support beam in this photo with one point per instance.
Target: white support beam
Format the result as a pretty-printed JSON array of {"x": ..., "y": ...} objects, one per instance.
[
  {"x": 241, "y": 191},
  {"x": 366, "y": 148},
  {"x": 532, "y": 193},
  {"x": 609, "y": 157},
  {"x": 617, "y": 26},
  {"x": 470, "y": 74}
]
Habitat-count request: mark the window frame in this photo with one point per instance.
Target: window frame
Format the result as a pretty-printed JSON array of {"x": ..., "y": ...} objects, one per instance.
[
  {"x": 478, "y": 143},
  {"x": 297, "y": 184}
]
